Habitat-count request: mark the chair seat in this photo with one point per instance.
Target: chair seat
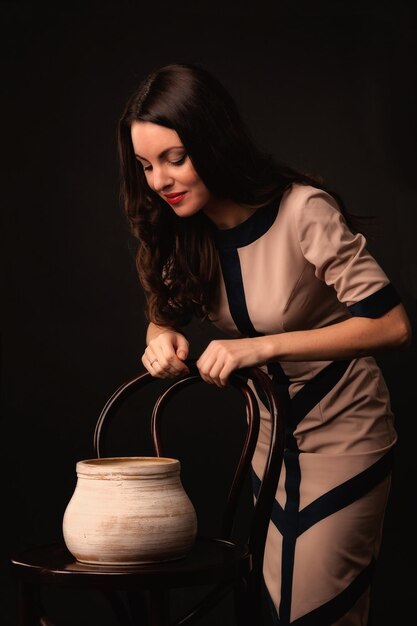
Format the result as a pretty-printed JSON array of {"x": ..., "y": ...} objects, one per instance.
[{"x": 209, "y": 561}]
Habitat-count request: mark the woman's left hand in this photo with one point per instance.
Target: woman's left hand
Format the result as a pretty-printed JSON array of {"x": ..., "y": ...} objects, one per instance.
[{"x": 223, "y": 356}]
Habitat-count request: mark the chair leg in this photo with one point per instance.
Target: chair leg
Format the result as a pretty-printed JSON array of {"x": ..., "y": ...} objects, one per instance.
[
  {"x": 138, "y": 607},
  {"x": 158, "y": 603},
  {"x": 29, "y": 606},
  {"x": 248, "y": 604},
  {"x": 242, "y": 606},
  {"x": 123, "y": 611}
]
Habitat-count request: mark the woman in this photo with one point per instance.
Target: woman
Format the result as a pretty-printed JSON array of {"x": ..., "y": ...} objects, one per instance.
[{"x": 267, "y": 254}]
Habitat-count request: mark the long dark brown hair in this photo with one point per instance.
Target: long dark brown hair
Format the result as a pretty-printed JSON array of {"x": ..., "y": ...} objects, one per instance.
[{"x": 176, "y": 258}]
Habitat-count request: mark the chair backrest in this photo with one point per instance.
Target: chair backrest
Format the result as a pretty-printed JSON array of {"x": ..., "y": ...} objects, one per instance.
[{"x": 239, "y": 379}]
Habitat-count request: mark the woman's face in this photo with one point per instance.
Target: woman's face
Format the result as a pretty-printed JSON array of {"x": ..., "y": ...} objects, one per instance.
[{"x": 168, "y": 168}]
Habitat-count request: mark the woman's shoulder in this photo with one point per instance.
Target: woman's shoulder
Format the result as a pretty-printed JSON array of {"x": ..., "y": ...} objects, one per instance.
[
  {"x": 308, "y": 211},
  {"x": 299, "y": 195},
  {"x": 304, "y": 202}
]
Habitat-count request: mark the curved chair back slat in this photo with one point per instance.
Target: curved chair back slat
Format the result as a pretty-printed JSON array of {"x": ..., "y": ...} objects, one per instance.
[
  {"x": 248, "y": 447},
  {"x": 109, "y": 411}
]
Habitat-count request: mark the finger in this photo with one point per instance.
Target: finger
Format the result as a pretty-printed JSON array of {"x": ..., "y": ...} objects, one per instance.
[
  {"x": 224, "y": 376},
  {"x": 162, "y": 361},
  {"x": 209, "y": 369},
  {"x": 219, "y": 375},
  {"x": 148, "y": 363},
  {"x": 215, "y": 369},
  {"x": 159, "y": 371},
  {"x": 169, "y": 358},
  {"x": 171, "y": 363},
  {"x": 156, "y": 366},
  {"x": 182, "y": 348}
]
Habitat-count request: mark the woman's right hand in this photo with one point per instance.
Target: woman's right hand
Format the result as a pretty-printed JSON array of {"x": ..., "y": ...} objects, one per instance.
[{"x": 165, "y": 354}]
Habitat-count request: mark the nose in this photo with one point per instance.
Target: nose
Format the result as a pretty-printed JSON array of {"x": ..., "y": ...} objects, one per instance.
[{"x": 162, "y": 180}]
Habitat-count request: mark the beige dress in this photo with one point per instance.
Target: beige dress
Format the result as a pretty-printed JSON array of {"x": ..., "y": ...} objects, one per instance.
[{"x": 292, "y": 266}]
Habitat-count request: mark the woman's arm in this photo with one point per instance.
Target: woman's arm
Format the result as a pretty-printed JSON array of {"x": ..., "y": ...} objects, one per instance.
[
  {"x": 165, "y": 352},
  {"x": 357, "y": 336}
]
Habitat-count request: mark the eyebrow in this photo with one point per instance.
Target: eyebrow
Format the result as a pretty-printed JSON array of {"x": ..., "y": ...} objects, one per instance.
[{"x": 162, "y": 154}]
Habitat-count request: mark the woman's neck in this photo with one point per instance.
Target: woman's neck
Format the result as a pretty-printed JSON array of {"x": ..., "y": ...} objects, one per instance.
[{"x": 226, "y": 213}]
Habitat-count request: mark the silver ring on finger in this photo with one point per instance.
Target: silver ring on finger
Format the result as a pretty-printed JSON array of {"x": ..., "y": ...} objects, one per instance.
[{"x": 152, "y": 362}]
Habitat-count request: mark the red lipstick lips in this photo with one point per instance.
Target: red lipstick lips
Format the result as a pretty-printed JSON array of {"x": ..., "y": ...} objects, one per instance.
[{"x": 174, "y": 198}]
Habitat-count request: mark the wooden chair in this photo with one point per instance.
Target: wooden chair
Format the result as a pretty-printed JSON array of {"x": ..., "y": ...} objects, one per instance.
[{"x": 221, "y": 563}]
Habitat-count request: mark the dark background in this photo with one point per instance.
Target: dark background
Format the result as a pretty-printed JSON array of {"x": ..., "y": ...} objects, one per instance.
[{"x": 328, "y": 87}]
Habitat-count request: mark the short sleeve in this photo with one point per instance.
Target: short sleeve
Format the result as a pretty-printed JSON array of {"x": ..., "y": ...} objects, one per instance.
[{"x": 340, "y": 257}]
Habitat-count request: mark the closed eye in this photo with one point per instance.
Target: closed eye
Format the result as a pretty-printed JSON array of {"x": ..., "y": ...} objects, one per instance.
[{"x": 178, "y": 161}]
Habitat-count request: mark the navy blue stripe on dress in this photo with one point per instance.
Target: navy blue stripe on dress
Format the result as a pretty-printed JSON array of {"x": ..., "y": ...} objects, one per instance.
[
  {"x": 308, "y": 397},
  {"x": 377, "y": 304},
  {"x": 335, "y": 499},
  {"x": 277, "y": 515},
  {"x": 227, "y": 242},
  {"x": 281, "y": 382},
  {"x": 316, "y": 389},
  {"x": 346, "y": 493},
  {"x": 232, "y": 274},
  {"x": 289, "y": 537},
  {"x": 248, "y": 231},
  {"x": 328, "y": 613}
]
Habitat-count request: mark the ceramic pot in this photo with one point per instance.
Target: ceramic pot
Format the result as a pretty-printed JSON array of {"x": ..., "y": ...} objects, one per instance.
[{"x": 129, "y": 510}]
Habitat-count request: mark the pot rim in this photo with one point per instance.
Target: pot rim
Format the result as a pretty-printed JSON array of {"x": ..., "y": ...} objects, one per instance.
[{"x": 127, "y": 466}]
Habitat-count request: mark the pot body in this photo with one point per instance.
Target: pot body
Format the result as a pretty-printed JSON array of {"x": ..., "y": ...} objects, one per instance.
[{"x": 128, "y": 511}]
